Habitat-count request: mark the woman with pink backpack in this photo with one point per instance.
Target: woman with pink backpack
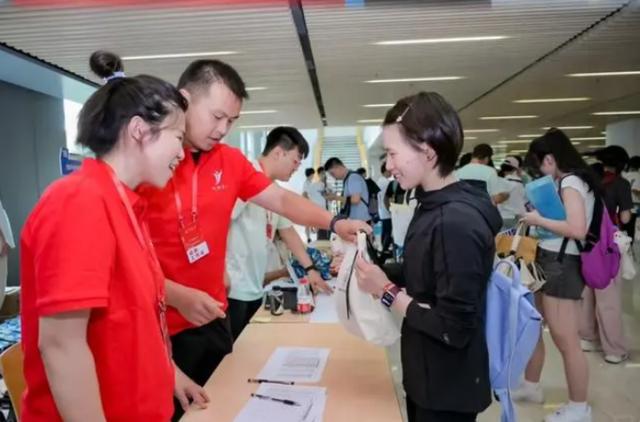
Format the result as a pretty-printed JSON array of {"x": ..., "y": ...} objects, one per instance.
[{"x": 559, "y": 301}]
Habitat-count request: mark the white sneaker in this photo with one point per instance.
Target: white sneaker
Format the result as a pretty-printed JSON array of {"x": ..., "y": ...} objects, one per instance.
[
  {"x": 528, "y": 393},
  {"x": 616, "y": 359},
  {"x": 568, "y": 413},
  {"x": 590, "y": 346}
]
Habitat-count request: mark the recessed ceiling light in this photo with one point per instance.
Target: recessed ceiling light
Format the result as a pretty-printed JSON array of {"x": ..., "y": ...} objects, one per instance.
[
  {"x": 604, "y": 132},
  {"x": 481, "y": 130},
  {"x": 590, "y": 138},
  {"x": 258, "y": 112},
  {"x": 442, "y": 40},
  {"x": 370, "y": 121},
  {"x": 255, "y": 88},
  {"x": 425, "y": 79},
  {"x": 530, "y": 135},
  {"x": 180, "y": 55},
  {"x": 515, "y": 141},
  {"x": 470, "y": 138},
  {"x": 552, "y": 100},
  {"x": 575, "y": 143},
  {"x": 621, "y": 73},
  {"x": 569, "y": 127},
  {"x": 519, "y": 151},
  {"x": 377, "y": 105},
  {"x": 263, "y": 126},
  {"x": 528, "y": 116},
  {"x": 616, "y": 113}
]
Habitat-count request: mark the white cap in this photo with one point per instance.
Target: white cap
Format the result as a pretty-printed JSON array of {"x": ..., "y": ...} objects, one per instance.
[{"x": 512, "y": 161}]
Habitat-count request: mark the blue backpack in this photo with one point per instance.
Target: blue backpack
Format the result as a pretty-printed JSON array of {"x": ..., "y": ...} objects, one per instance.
[{"x": 512, "y": 330}]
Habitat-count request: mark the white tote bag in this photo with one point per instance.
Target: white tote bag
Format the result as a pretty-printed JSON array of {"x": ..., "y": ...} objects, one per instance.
[
  {"x": 627, "y": 269},
  {"x": 360, "y": 313}
]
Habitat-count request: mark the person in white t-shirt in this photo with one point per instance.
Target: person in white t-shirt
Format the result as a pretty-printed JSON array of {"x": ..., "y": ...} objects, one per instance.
[
  {"x": 383, "y": 212},
  {"x": 253, "y": 228},
  {"x": 479, "y": 173},
  {"x": 554, "y": 155},
  {"x": 513, "y": 208}
]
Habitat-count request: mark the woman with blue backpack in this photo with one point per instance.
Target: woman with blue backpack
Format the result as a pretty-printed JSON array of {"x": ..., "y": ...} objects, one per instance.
[
  {"x": 448, "y": 261},
  {"x": 553, "y": 154}
]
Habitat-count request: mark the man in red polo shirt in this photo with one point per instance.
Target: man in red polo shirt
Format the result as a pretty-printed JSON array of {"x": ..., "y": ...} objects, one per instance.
[{"x": 189, "y": 219}]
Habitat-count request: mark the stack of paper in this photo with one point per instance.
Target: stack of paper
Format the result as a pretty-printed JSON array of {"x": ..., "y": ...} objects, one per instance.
[
  {"x": 309, "y": 404},
  {"x": 296, "y": 364}
]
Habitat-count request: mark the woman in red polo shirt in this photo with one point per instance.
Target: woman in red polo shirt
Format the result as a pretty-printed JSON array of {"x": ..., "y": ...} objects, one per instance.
[{"x": 94, "y": 333}]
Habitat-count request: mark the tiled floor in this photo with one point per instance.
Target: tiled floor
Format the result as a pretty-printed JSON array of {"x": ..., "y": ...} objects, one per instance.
[{"x": 614, "y": 390}]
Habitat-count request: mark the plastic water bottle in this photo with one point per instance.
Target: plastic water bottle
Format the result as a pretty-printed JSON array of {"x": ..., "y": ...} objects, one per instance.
[{"x": 305, "y": 297}]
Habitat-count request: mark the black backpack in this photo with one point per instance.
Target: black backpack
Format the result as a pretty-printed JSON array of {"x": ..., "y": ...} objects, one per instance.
[{"x": 371, "y": 202}]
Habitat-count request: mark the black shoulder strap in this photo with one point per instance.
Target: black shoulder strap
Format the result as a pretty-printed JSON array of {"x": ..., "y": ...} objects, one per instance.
[{"x": 593, "y": 233}]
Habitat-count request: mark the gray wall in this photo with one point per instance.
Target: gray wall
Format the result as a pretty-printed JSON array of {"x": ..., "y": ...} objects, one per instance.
[{"x": 31, "y": 135}]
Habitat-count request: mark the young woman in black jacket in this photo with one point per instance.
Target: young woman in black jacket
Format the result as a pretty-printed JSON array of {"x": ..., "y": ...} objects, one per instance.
[{"x": 449, "y": 252}]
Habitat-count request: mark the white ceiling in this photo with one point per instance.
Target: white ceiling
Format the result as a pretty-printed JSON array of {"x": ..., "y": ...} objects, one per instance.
[{"x": 342, "y": 38}]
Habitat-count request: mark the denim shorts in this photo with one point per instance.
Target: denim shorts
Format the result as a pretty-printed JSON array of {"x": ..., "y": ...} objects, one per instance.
[{"x": 564, "y": 279}]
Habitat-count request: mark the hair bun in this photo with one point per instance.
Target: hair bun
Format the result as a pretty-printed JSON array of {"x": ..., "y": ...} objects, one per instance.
[{"x": 104, "y": 63}]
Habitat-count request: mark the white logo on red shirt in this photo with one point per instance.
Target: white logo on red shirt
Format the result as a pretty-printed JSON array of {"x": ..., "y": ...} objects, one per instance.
[{"x": 218, "y": 176}]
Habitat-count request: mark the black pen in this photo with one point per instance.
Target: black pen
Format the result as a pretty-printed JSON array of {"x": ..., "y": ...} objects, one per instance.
[
  {"x": 261, "y": 380},
  {"x": 283, "y": 401}
]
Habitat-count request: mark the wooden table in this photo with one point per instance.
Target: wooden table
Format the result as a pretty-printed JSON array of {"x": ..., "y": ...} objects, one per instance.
[{"x": 357, "y": 376}]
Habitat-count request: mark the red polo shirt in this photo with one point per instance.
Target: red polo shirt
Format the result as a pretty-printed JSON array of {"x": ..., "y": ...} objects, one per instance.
[
  {"x": 80, "y": 251},
  {"x": 224, "y": 175}
]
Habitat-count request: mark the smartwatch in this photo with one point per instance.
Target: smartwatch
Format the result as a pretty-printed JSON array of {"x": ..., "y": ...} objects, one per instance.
[
  {"x": 389, "y": 296},
  {"x": 310, "y": 268}
]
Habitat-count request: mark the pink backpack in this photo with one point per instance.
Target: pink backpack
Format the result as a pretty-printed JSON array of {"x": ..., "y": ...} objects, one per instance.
[{"x": 599, "y": 254}]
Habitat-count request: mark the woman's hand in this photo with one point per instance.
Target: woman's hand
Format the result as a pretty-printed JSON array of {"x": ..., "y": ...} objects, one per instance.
[
  {"x": 371, "y": 278},
  {"x": 532, "y": 218}
]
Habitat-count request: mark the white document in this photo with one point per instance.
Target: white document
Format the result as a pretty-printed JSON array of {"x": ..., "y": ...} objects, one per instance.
[
  {"x": 325, "y": 310},
  {"x": 309, "y": 404},
  {"x": 297, "y": 364}
]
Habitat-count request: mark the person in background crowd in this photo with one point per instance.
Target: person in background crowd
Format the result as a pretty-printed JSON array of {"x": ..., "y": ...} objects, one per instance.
[
  {"x": 448, "y": 260},
  {"x": 384, "y": 214},
  {"x": 601, "y": 327},
  {"x": 513, "y": 208},
  {"x": 464, "y": 160},
  {"x": 633, "y": 176},
  {"x": 6, "y": 243},
  {"x": 356, "y": 192},
  {"x": 93, "y": 329},
  {"x": 253, "y": 228},
  {"x": 480, "y": 174},
  {"x": 309, "y": 176},
  {"x": 560, "y": 298},
  {"x": 189, "y": 219},
  {"x": 322, "y": 188}
]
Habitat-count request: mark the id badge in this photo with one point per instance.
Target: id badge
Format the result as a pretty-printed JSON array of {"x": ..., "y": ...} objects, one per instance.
[{"x": 194, "y": 245}]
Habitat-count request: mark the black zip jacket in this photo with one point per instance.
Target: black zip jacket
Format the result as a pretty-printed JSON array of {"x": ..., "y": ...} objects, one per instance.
[{"x": 448, "y": 260}]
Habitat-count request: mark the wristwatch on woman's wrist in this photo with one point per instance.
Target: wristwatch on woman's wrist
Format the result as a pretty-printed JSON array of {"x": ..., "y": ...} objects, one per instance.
[{"x": 389, "y": 295}]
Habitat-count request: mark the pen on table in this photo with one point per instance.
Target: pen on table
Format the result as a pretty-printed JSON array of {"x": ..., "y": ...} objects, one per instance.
[
  {"x": 262, "y": 380},
  {"x": 283, "y": 401}
]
